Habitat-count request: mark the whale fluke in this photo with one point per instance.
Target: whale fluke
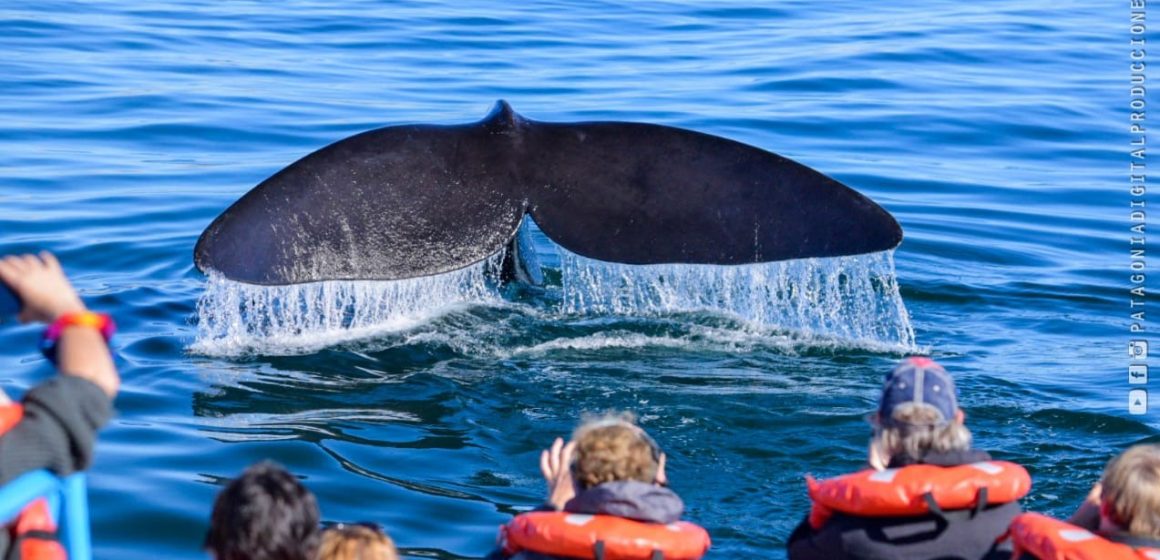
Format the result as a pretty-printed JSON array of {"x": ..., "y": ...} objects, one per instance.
[{"x": 416, "y": 200}]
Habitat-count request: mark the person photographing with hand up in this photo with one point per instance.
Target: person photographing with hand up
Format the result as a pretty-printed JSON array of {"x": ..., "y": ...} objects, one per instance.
[
  {"x": 54, "y": 426},
  {"x": 608, "y": 497}
]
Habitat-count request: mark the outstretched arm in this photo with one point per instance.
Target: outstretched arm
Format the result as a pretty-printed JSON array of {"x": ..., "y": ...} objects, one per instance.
[
  {"x": 62, "y": 415},
  {"x": 46, "y": 294}
]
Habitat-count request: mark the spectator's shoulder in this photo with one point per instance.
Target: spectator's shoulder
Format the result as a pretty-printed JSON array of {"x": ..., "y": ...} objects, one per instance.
[
  {"x": 67, "y": 395},
  {"x": 68, "y": 386}
]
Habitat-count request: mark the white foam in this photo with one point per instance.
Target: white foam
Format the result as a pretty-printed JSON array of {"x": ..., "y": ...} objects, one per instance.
[{"x": 601, "y": 342}]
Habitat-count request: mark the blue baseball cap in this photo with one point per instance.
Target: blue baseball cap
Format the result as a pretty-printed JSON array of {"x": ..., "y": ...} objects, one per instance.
[{"x": 918, "y": 380}]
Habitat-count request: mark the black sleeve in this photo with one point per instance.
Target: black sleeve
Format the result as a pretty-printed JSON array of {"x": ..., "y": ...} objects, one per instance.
[
  {"x": 806, "y": 544},
  {"x": 59, "y": 428}
]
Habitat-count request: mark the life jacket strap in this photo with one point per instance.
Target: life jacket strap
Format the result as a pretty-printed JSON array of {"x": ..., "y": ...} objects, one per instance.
[
  {"x": 980, "y": 502},
  {"x": 46, "y": 545},
  {"x": 933, "y": 506}
]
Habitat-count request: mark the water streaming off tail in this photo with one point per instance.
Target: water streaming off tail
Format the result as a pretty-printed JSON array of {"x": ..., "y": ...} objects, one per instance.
[
  {"x": 854, "y": 298},
  {"x": 236, "y": 318}
]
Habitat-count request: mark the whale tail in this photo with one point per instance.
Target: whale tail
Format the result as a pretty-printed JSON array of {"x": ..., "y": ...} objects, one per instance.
[{"x": 416, "y": 200}]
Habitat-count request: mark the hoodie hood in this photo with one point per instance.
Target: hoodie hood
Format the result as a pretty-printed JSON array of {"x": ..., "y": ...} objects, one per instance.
[{"x": 630, "y": 499}]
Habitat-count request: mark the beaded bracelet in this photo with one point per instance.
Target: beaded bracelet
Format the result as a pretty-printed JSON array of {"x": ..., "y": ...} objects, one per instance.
[{"x": 100, "y": 321}]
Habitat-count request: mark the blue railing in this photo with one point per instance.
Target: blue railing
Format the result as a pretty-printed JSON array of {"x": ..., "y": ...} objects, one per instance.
[{"x": 67, "y": 501}]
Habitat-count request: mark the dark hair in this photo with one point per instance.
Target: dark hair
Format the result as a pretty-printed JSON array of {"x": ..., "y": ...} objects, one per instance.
[{"x": 264, "y": 514}]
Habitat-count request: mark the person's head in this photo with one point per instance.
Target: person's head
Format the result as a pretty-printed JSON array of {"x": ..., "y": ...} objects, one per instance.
[
  {"x": 264, "y": 514},
  {"x": 358, "y": 541},
  {"x": 918, "y": 413},
  {"x": 1130, "y": 491},
  {"x": 613, "y": 448}
]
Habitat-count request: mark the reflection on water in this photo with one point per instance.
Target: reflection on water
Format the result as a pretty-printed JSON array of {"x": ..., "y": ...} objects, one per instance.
[
  {"x": 367, "y": 427},
  {"x": 364, "y": 441}
]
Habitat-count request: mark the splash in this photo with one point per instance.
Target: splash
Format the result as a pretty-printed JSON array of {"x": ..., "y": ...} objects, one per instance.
[
  {"x": 236, "y": 319},
  {"x": 854, "y": 298}
]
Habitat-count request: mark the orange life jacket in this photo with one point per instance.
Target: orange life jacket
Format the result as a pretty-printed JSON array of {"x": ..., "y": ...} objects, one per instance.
[
  {"x": 1051, "y": 539},
  {"x": 33, "y": 531},
  {"x": 917, "y": 490},
  {"x": 602, "y": 537}
]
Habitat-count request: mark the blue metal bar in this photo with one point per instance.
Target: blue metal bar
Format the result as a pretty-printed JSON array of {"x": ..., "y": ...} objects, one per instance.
[
  {"x": 74, "y": 521},
  {"x": 25, "y": 488},
  {"x": 68, "y": 502}
]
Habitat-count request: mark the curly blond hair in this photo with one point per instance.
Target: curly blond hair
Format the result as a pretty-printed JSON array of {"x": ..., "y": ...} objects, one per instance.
[
  {"x": 356, "y": 542},
  {"x": 612, "y": 448},
  {"x": 1131, "y": 490}
]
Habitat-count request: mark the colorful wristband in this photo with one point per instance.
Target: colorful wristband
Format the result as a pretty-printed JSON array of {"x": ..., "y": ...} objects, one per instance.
[{"x": 100, "y": 321}]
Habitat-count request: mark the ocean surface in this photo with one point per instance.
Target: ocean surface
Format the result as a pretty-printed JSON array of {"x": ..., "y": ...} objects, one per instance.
[{"x": 996, "y": 132}]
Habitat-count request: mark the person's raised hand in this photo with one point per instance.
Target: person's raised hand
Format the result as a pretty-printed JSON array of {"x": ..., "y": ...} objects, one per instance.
[
  {"x": 39, "y": 281},
  {"x": 556, "y": 466}
]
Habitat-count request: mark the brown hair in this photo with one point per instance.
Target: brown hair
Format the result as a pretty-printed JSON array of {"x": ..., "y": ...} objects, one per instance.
[
  {"x": 1131, "y": 490},
  {"x": 915, "y": 432},
  {"x": 611, "y": 448},
  {"x": 356, "y": 542}
]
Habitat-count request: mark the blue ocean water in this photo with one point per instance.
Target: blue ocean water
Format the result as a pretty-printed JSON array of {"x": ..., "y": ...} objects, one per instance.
[{"x": 996, "y": 132}]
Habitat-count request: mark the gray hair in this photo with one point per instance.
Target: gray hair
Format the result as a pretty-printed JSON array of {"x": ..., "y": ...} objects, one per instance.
[{"x": 916, "y": 432}]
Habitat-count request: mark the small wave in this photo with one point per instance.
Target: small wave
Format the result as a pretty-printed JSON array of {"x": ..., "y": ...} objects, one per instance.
[
  {"x": 732, "y": 339},
  {"x": 291, "y": 426}
]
